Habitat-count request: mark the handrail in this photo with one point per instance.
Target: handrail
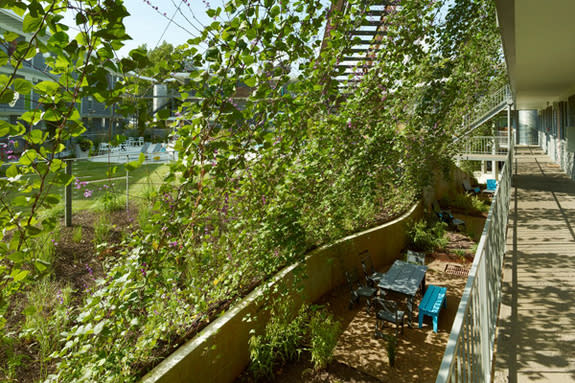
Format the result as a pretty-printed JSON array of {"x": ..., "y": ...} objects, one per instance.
[
  {"x": 469, "y": 352},
  {"x": 488, "y": 105},
  {"x": 496, "y": 145}
]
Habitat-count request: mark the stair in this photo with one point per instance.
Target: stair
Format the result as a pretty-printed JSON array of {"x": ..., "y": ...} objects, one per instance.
[
  {"x": 366, "y": 35},
  {"x": 485, "y": 110}
]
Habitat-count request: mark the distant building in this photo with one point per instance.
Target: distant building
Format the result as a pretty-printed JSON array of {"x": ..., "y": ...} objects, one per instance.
[{"x": 98, "y": 119}]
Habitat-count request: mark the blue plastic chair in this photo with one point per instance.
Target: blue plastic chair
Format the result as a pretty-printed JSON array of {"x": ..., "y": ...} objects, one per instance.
[{"x": 491, "y": 186}]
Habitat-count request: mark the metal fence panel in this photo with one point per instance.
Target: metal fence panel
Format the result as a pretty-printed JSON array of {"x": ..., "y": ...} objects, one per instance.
[{"x": 469, "y": 352}]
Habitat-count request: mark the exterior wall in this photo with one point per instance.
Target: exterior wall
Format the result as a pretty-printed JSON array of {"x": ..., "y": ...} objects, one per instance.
[
  {"x": 553, "y": 123},
  {"x": 220, "y": 352}
]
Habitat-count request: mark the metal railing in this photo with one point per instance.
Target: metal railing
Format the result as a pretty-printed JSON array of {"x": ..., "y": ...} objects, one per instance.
[
  {"x": 492, "y": 101},
  {"x": 469, "y": 352},
  {"x": 485, "y": 145},
  {"x": 488, "y": 107}
]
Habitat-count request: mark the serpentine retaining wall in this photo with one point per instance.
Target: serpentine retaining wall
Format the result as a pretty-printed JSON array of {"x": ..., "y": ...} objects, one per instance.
[{"x": 220, "y": 352}]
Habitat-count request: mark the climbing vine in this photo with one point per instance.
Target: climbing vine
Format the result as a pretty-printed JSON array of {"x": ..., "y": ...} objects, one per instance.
[{"x": 301, "y": 160}]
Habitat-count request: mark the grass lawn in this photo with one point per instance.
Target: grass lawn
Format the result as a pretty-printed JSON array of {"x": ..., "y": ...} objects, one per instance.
[
  {"x": 97, "y": 181},
  {"x": 109, "y": 180}
]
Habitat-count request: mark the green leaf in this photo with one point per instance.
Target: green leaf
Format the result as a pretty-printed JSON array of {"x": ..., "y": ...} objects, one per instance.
[
  {"x": 33, "y": 230},
  {"x": 32, "y": 117},
  {"x": 37, "y": 136},
  {"x": 19, "y": 275},
  {"x": 52, "y": 199},
  {"x": 10, "y": 36},
  {"x": 21, "y": 201},
  {"x": 135, "y": 164},
  {"x": 248, "y": 59},
  {"x": 22, "y": 86},
  {"x": 12, "y": 171},
  {"x": 251, "y": 81},
  {"x": 4, "y": 128},
  {"x": 164, "y": 114},
  {"x": 28, "y": 156},
  {"x": 17, "y": 257},
  {"x": 47, "y": 87},
  {"x": 7, "y": 96},
  {"x": 81, "y": 18},
  {"x": 275, "y": 11},
  {"x": 3, "y": 58},
  {"x": 52, "y": 115},
  {"x": 212, "y": 54},
  {"x": 62, "y": 179},
  {"x": 31, "y": 24},
  {"x": 41, "y": 265}
]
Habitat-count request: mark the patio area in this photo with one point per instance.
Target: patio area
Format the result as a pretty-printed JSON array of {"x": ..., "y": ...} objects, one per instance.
[
  {"x": 419, "y": 350},
  {"x": 360, "y": 357}
]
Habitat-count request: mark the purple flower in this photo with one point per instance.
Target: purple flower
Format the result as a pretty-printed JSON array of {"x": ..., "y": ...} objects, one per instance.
[
  {"x": 90, "y": 271},
  {"x": 87, "y": 193},
  {"x": 173, "y": 244}
]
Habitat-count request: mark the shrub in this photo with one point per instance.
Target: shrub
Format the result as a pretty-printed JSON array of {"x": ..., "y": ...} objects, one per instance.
[
  {"x": 324, "y": 331},
  {"x": 469, "y": 204},
  {"x": 85, "y": 144},
  {"x": 101, "y": 229},
  {"x": 281, "y": 342},
  {"x": 47, "y": 317},
  {"x": 112, "y": 202},
  {"x": 424, "y": 236},
  {"x": 77, "y": 234}
]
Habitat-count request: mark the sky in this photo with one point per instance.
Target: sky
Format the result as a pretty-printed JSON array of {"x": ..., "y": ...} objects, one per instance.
[{"x": 146, "y": 25}]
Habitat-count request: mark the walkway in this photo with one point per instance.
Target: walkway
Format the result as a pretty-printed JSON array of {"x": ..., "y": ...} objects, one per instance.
[{"x": 536, "y": 334}]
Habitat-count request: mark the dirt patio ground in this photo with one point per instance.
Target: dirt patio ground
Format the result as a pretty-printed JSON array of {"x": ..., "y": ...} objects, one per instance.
[{"x": 419, "y": 351}]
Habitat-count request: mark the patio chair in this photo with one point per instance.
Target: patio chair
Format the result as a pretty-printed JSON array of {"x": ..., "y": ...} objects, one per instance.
[
  {"x": 368, "y": 270},
  {"x": 491, "y": 186},
  {"x": 446, "y": 216},
  {"x": 358, "y": 290},
  {"x": 386, "y": 311},
  {"x": 470, "y": 189},
  {"x": 415, "y": 257}
]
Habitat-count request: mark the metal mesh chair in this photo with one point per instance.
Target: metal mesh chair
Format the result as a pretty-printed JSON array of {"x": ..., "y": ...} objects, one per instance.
[
  {"x": 359, "y": 290},
  {"x": 387, "y": 311}
]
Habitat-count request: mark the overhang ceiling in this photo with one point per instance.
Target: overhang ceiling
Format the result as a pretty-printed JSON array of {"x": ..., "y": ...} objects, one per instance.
[{"x": 539, "y": 44}]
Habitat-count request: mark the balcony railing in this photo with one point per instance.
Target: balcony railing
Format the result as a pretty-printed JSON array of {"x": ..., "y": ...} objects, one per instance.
[
  {"x": 469, "y": 352},
  {"x": 485, "y": 145}
]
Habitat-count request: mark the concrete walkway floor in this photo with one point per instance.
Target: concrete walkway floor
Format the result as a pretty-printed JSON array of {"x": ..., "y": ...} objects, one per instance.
[{"x": 536, "y": 334}]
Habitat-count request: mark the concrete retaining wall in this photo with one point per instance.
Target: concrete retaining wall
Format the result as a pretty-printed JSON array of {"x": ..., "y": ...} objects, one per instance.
[{"x": 220, "y": 352}]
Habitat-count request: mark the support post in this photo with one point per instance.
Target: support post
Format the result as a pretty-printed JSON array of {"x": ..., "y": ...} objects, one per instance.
[
  {"x": 68, "y": 196},
  {"x": 127, "y": 185},
  {"x": 510, "y": 136}
]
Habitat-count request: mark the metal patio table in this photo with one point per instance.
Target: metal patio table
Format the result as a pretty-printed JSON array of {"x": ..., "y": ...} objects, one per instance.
[{"x": 404, "y": 278}]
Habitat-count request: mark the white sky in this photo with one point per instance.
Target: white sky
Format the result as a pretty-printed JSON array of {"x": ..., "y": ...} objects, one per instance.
[{"x": 146, "y": 25}]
